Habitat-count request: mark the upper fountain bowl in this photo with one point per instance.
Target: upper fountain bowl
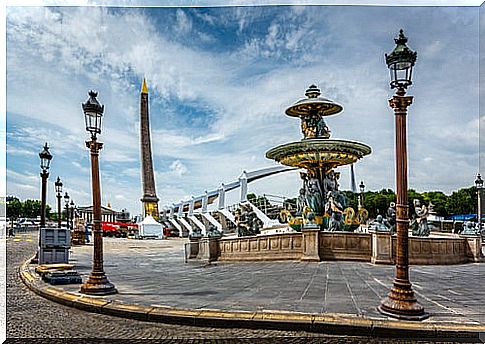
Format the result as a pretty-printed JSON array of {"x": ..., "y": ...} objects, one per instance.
[{"x": 313, "y": 105}]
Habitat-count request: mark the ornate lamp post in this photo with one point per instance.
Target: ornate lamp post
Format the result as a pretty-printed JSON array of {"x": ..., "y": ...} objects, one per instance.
[
  {"x": 361, "y": 196},
  {"x": 479, "y": 185},
  {"x": 97, "y": 283},
  {"x": 45, "y": 160},
  {"x": 66, "y": 200},
  {"x": 71, "y": 216},
  {"x": 401, "y": 302},
  {"x": 58, "y": 185}
]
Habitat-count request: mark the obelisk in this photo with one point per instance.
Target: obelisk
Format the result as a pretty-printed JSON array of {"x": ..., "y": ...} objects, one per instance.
[{"x": 149, "y": 199}]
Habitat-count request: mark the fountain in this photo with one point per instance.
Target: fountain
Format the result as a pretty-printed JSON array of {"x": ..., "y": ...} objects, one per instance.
[{"x": 320, "y": 203}]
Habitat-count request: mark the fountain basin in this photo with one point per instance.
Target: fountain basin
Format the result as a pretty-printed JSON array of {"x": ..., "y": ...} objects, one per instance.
[{"x": 319, "y": 153}]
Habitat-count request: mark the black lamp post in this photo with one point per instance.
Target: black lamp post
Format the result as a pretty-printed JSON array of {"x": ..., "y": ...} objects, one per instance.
[
  {"x": 66, "y": 204},
  {"x": 479, "y": 185},
  {"x": 97, "y": 283},
  {"x": 71, "y": 216},
  {"x": 58, "y": 185},
  {"x": 361, "y": 198},
  {"x": 400, "y": 302},
  {"x": 45, "y": 160}
]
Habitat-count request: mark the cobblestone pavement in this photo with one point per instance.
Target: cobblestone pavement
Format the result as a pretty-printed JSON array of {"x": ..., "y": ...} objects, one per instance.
[{"x": 30, "y": 316}]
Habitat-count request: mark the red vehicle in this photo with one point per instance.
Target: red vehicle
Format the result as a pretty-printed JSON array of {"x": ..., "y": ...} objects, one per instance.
[
  {"x": 119, "y": 229},
  {"x": 170, "y": 232}
]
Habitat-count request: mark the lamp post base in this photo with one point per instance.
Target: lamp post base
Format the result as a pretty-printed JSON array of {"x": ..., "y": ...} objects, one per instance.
[
  {"x": 98, "y": 284},
  {"x": 35, "y": 260},
  {"x": 401, "y": 303}
]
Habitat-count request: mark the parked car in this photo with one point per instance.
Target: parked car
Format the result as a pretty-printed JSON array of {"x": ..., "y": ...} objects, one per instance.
[{"x": 170, "y": 232}]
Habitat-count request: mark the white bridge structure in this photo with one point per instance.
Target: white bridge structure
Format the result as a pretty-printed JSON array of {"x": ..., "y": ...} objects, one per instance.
[{"x": 193, "y": 214}]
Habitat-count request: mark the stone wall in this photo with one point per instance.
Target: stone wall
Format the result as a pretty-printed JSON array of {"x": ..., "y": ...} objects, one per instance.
[
  {"x": 265, "y": 247},
  {"x": 345, "y": 246},
  {"x": 435, "y": 251},
  {"x": 313, "y": 245}
]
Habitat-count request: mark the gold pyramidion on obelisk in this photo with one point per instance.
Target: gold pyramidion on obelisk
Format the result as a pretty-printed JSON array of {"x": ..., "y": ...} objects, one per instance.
[
  {"x": 144, "y": 88},
  {"x": 149, "y": 199}
]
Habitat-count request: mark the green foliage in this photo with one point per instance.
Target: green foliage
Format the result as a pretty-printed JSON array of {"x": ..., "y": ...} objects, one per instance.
[
  {"x": 28, "y": 208},
  {"x": 463, "y": 201},
  {"x": 352, "y": 199},
  {"x": 290, "y": 203},
  {"x": 377, "y": 202},
  {"x": 14, "y": 208},
  {"x": 438, "y": 199}
]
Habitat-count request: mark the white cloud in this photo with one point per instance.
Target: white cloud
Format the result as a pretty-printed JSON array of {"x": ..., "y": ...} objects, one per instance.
[
  {"x": 178, "y": 168},
  {"x": 184, "y": 24}
]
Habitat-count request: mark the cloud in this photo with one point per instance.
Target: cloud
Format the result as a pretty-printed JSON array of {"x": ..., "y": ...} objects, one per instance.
[
  {"x": 217, "y": 103},
  {"x": 178, "y": 168}
]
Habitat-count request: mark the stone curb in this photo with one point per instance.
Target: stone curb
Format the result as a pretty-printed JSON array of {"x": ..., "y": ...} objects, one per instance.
[{"x": 331, "y": 323}]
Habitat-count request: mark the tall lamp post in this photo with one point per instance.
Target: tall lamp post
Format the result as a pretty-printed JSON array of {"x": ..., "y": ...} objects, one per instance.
[
  {"x": 361, "y": 196},
  {"x": 58, "y": 185},
  {"x": 400, "y": 302},
  {"x": 66, "y": 200},
  {"x": 479, "y": 185},
  {"x": 45, "y": 160},
  {"x": 97, "y": 283},
  {"x": 71, "y": 216}
]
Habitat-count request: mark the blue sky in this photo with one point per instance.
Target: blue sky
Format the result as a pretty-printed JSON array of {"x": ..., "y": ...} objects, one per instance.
[{"x": 220, "y": 79}]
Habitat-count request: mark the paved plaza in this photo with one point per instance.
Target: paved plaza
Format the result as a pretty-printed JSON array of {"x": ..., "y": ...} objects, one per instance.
[
  {"x": 34, "y": 319},
  {"x": 152, "y": 273}
]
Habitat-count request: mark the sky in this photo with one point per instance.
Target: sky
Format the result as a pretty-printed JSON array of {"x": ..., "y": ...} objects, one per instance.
[{"x": 220, "y": 79}]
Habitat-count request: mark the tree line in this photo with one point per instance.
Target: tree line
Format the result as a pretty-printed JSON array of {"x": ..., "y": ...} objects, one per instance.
[
  {"x": 25, "y": 209},
  {"x": 462, "y": 201}
]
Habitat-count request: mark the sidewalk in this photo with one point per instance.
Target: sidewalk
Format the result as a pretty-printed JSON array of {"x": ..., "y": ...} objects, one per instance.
[{"x": 325, "y": 296}]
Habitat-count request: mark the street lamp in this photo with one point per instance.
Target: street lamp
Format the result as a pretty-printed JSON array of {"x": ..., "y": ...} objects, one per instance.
[
  {"x": 479, "y": 185},
  {"x": 400, "y": 302},
  {"x": 97, "y": 282},
  {"x": 58, "y": 185},
  {"x": 66, "y": 204},
  {"x": 45, "y": 160},
  {"x": 361, "y": 196},
  {"x": 72, "y": 214}
]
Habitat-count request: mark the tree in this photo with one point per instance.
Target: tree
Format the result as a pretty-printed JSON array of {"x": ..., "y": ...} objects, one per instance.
[
  {"x": 28, "y": 208},
  {"x": 462, "y": 201},
  {"x": 14, "y": 208},
  {"x": 438, "y": 199}
]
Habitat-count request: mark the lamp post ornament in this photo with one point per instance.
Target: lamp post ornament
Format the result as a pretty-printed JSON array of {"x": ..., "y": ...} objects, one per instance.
[
  {"x": 401, "y": 302},
  {"x": 97, "y": 282},
  {"x": 58, "y": 185}
]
